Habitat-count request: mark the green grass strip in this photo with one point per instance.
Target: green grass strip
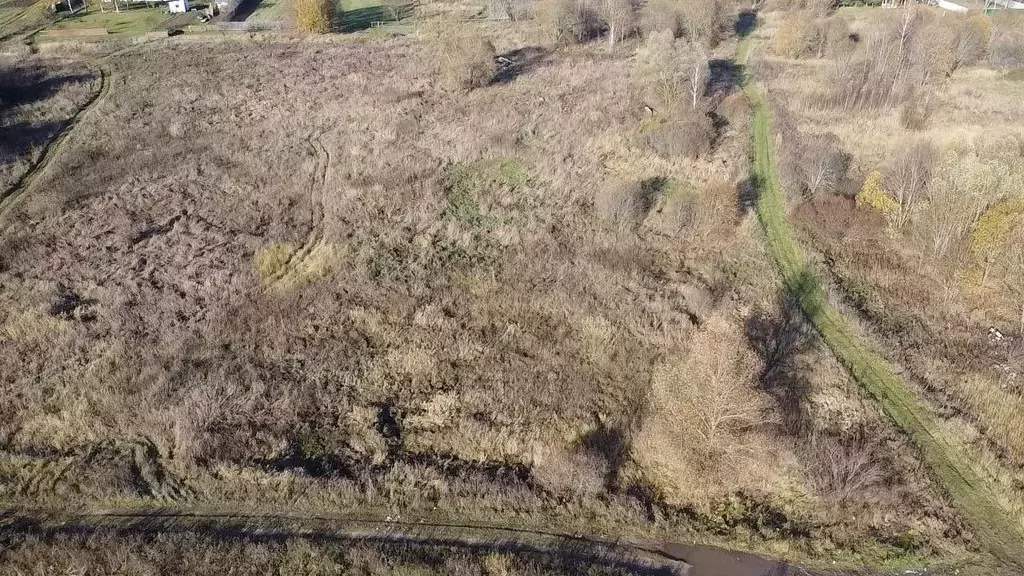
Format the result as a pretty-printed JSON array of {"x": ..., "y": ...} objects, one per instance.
[{"x": 971, "y": 495}]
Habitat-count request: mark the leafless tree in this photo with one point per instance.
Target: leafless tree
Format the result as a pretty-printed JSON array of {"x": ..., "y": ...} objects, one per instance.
[
  {"x": 698, "y": 75},
  {"x": 620, "y": 16},
  {"x": 813, "y": 164},
  {"x": 972, "y": 40},
  {"x": 702, "y": 20},
  {"x": 908, "y": 178},
  {"x": 507, "y": 9}
]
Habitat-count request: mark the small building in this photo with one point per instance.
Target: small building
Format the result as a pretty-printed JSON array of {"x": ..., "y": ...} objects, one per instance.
[{"x": 177, "y": 6}]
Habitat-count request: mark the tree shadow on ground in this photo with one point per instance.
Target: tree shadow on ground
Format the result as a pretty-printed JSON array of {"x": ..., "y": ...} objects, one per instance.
[
  {"x": 745, "y": 23},
  {"x": 363, "y": 18},
  {"x": 610, "y": 444},
  {"x": 517, "y": 62},
  {"x": 724, "y": 76},
  {"x": 18, "y": 139},
  {"x": 782, "y": 338},
  {"x": 21, "y": 86},
  {"x": 245, "y": 9}
]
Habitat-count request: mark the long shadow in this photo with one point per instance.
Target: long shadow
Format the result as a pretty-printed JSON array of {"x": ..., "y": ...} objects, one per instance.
[
  {"x": 363, "y": 18},
  {"x": 242, "y": 10},
  {"x": 724, "y": 76},
  {"x": 745, "y": 23},
  {"x": 24, "y": 85},
  {"x": 781, "y": 340},
  {"x": 570, "y": 554},
  {"x": 18, "y": 139}
]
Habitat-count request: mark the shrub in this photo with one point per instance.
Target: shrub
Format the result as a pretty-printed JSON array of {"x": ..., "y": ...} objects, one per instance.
[
  {"x": 972, "y": 40},
  {"x": 796, "y": 35},
  {"x": 875, "y": 196},
  {"x": 661, "y": 15},
  {"x": 844, "y": 470},
  {"x": 1006, "y": 51},
  {"x": 687, "y": 133},
  {"x": 916, "y": 111},
  {"x": 468, "y": 61},
  {"x": 702, "y": 20},
  {"x": 813, "y": 164},
  {"x": 314, "y": 16},
  {"x": 574, "y": 21},
  {"x": 510, "y": 9}
]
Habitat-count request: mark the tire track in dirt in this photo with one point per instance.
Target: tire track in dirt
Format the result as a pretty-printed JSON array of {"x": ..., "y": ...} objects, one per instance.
[
  {"x": 635, "y": 555},
  {"x": 27, "y": 181},
  {"x": 291, "y": 270}
]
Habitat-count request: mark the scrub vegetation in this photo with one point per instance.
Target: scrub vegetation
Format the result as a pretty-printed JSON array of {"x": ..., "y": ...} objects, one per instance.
[
  {"x": 917, "y": 227},
  {"x": 506, "y": 269}
]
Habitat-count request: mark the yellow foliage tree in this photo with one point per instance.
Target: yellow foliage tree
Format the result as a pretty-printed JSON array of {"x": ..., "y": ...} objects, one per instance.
[
  {"x": 873, "y": 194},
  {"x": 316, "y": 16}
]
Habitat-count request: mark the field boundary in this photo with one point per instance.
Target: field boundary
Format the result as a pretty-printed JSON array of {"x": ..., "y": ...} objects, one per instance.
[
  {"x": 972, "y": 497},
  {"x": 635, "y": 556}
]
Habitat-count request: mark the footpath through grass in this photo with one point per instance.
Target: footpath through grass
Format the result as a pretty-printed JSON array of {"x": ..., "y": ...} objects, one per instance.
[{"x": 996, "y": 530}]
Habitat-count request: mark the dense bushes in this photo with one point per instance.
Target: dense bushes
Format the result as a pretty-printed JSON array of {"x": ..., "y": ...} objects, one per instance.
[
  {"x": 468, "y": 61},
  {"x": 315, "y": 16},
  {"x": 673, "y": 77},
  {"x": 582, "y": 20}
]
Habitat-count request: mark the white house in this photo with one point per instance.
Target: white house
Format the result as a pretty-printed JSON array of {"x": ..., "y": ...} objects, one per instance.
[{"x": 177, "y": 6}]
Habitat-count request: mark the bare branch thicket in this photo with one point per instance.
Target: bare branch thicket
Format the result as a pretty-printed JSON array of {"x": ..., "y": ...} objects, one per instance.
[
  {"x": 661, "y": 15},
  {"x": 1007, "y": 51},
  {"x": 574, "y": 21},
  {"x": 813, "y": 164},
  {"x": 671, "y": 70},
  {"x": 674, "y": 77},
  {"x": 468, "y": 61},
  {"x": 972, "y": 39},
  {"x": 845, "y": 470},
  {"x": 620, "y": 17},
  {"x": 908, "y": 177},
  {"x": 702, "y": 20},
  {"x": 513, "y": 10}
]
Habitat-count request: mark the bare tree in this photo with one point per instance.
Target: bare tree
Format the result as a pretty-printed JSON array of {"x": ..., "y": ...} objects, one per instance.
[
  {"x": 698, "y": 76},
  {"x": 972, "y": 40},
  {"x": 621, "y": 18},
  {"x": 660, "y": 69},
  {"x": 908, "y": 178},
  {"x": 702, "y": 20},
  {"x": 813, "y": 164},
  {"x": 505, "y": 9}
]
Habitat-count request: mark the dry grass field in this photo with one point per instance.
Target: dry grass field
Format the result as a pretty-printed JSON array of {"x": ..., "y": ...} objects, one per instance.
[
  {"x": 934, "y": 273},
  {"x": 109, "y": 553},
  {"x": 37, "y": 99},
  {"x": 311, "y": 274}
]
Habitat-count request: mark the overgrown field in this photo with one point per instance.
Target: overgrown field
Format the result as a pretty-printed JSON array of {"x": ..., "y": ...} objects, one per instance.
[
  {"x": 383, "y": 276},
  {"x": 37, "y": 99},
  {"x": 183, "y": 553},
  {"x": 900, "y": 146}
]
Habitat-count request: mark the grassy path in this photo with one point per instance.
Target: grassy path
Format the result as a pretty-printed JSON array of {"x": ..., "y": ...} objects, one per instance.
[{"x": 995, "y": 529}]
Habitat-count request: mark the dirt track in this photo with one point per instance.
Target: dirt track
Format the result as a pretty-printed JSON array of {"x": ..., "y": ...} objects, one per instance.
[{"x": 636, "y": 556}]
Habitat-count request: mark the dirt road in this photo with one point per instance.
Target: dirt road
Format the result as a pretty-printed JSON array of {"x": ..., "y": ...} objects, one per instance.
[{"x": 634, "y": 556}]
